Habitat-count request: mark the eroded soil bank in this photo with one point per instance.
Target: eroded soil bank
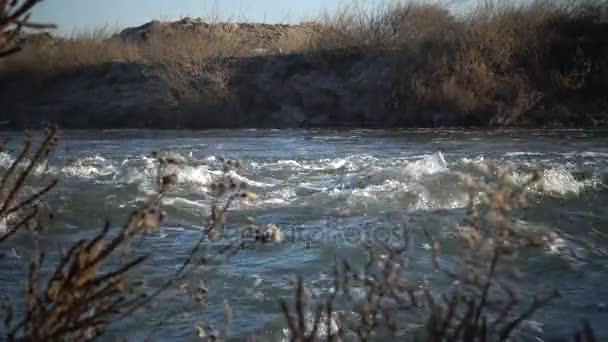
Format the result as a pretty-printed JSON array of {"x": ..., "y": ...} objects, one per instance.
[{"x": 195, "y": 75}]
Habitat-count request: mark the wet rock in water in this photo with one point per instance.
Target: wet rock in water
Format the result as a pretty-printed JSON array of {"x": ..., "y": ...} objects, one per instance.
[
  {"x": 270, "y": 233},
  {"x": 274, "y": 233}
]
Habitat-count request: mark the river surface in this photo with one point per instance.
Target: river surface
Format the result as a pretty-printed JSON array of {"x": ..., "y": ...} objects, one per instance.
[{"x": 327, "y": 190}]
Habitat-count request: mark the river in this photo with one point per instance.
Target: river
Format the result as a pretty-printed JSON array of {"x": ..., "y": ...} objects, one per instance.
[{"x": 327, "y": 190}]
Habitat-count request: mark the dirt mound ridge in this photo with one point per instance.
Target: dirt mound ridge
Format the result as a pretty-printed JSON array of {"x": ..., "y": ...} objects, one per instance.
[{"x": 256, "y": 35}]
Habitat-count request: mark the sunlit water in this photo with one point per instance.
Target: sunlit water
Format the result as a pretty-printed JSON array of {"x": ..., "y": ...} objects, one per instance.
[{"x": 331, "y": 192}]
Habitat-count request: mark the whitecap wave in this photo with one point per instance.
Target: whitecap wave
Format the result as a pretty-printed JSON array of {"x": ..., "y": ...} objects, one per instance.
[
  {"x": 556, "y": 179},
  {"x": 559, "y": 181},
  {"x": 522, "y": 154},
  {"x": 428, "y": 165},
  {"x": 89, "y": 167},
  {"x": 143, "y": 170},
  {"x": 348, "y": 163},
  {"x": 184, "y": 202},
  {"x": 6, "y": 159},
  {"x": 279, "y": 197}
]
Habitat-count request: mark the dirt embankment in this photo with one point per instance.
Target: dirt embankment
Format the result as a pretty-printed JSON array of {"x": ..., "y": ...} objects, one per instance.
[
  {"x": 256, "y": 86},
  {"x": 511, "y": 68}
]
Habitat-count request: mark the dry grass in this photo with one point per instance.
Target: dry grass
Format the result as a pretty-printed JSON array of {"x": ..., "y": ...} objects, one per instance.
[
  {"x": 100, "y": 46},
  {"x": 188, "y": 42}
]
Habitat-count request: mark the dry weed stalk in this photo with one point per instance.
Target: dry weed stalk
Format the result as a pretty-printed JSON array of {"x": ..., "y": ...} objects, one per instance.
[
  {"x": 19, "y": 210},
  {"x": 388, "y": 294},
  {"x": 483, "y": 303},
  {"x": 224, "y": 191},
  {"x": 14, "y": 16},
  {"x": 87, "y": 290},
  {"x": 90, "y": 286},
  {"x": 475, "y": 308}
]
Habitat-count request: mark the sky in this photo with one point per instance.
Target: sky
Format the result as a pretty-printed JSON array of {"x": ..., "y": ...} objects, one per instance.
[{"x": 73, "y": 16}]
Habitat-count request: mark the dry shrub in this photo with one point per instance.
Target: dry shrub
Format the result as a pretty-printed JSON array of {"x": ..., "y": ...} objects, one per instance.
[
  {"x": 407, "y": 23},
  {"x": 188, "y": 62},
  {"x": 500, "y": 61},
  {"x": 298, "y": 39},
  {"x": 387, "y": 26},
  {"x": 384, "y": 26},
  {"x": 491, "y": 64},
  {"x": 177, "y": 46}
]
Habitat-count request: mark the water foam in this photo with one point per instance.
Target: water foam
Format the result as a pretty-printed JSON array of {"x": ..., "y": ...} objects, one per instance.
[
  {"x": 89, "y": 167},
  {"x": 407, "y": 186},
  {"x": 559, "y": 181},
  {"x": 556, "y": 179},
  {"x": 348, "y": 163},
  {"x": 6, "y": 159},
  {"x": 184, "y": 202},
  {"x": 428, "y": 165}
]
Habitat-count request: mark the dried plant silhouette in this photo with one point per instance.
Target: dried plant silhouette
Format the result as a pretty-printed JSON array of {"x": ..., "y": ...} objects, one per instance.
[
  {"x": 14, "y": 16},
  {"x": 483, "y": 302},
  {"x": 91, "y": 286},
  {"x": 18, "y": 210},
  {"x": 86, "y": 291}
]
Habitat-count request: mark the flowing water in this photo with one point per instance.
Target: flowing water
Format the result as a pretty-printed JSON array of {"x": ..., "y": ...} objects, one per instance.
[{"x": 330, "y": 192}]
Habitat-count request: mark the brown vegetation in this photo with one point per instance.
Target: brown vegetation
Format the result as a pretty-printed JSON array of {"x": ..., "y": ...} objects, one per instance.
[
  {"x": 187, "y": 42},
  {"x": 495, "y": 64}
]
